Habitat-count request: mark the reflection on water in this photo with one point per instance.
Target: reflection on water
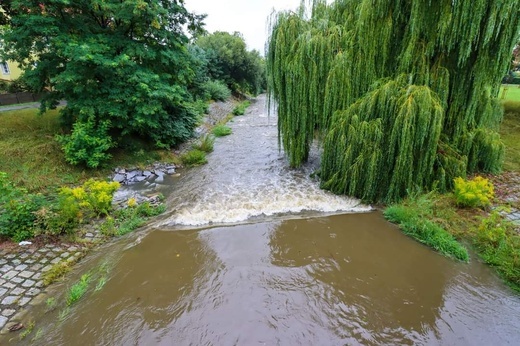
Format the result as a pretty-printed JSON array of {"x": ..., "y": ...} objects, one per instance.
[{"x": 339, "y": 280}]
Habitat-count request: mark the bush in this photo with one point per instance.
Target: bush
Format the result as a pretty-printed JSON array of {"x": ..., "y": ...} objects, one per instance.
[
  {"x": 194, "y": 157},
  {"x": 94, "y": 197},
  {"x": 87, "y": 144},
  {"x": 217, "y": 90},
  {"x": 477, "y": 192},
  {"x": 241, "y": 108},
  {"x": 205, "y": 144},
  {"x": 221, "y": 130},
  {"x": 17, "y": 210}
]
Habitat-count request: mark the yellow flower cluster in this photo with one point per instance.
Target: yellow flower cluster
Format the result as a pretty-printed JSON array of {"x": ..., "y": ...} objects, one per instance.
[
  {"x": 95, "y": 196},
  {"x": 477, "y": 192}
]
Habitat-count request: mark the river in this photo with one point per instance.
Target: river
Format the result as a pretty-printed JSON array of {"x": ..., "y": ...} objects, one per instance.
[{"x": 251, "y": 252}]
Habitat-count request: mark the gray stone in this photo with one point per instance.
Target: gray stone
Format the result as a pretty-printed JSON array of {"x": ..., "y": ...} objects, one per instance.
[
  {"x": 16, "y": 262},
  {"x": 43, "y": 250},
  {"x": 3, "y": 321},
  {"x": 119, "y": 178},
  {"x": 28, "y": 283},
  {"x": 21, "y": 267},
  {"x": 24, "y": 256},
  {"x": 132, "y": 174},
  {"x": 8, "y": 312},
  {"x": 46, "y": 268},
  {"x": 10, "y": 256},
  {"x": 37, "y": 276},
  {"x": 2, "y": 291},
  {"x": 147, "y": 173},
  {"x": 2, "y": 261},
  {"x": 65, "y": 254},
  {"x": 17, "y": 280},
  {"x": 17, "y": 291},
  {"x": 10, "y": 300},
  {"x": 36, "y": 267},
  {"x": 170, "y": 171},
  {"x": 33, "y": 291},
  {"x": 43, "y": 260},
  {"x": 72, "y": 249},
  {"x": 6, "y": 268},
  {"x": 30, "y": 261},
  {"x": 56, "y": 260},
  {"x": 24, "y": 301},
  {"x": 9, "y": 275},
  {"x": 2, "y": 281},
  {"x": 9, "y": 285},
  {"x": 39, "y": 284},
  {"x": 140, "y": 178},
  {"x": 89, "y": 235}
]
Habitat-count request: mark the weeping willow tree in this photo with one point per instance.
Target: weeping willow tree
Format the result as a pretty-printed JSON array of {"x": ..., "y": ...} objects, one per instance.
[{"x": 402, "y": 93}]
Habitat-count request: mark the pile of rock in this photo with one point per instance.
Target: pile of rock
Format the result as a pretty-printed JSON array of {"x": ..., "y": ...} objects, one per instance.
[{"x": 154, "y": 173}]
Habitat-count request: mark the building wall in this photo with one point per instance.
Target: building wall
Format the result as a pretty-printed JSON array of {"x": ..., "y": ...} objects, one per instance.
[{"x": 14, "y": 71}]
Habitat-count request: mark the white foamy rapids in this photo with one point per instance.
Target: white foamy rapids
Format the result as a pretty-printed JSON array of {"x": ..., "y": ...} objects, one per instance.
[{"x": 239, "y": 204}]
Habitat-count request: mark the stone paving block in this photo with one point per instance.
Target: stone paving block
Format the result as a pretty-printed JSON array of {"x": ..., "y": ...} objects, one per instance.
[
  {"x": 10, "y": 256},
  {"x": 24, "y": 301},
  {"x": 2, "y": 261},
  {"x": 6, "y": 268},
  {"x": 33, "y": 291},
  {"x": 46, "y": 268},
  {"x": 17, "y": 291},
  {"x": 2, "y": 281},
  {"x": 9, "y": 285},
  {"x": 8, "y": 312},
  {"x": 16, "y": 262},
  {"x": 39, "y": 284},
  {"x": 17, "y": 280},
  {"x": 36, "y": 267},
  {"x": 26, "y": 274},
  {"x": 56, "y": 260},
  {"x": 36, "y": 276},
  {"x": 23, "y": 256},
  {"x": 30, "y": 261},
  {"x": 43, "y": 261},
  {"x": 21, "y": 267},
  {"x": 65, "y": 255},
  {"x": 43, "y": 250},
  {"x": 2, "y": 292},
  {"x": 10, "y": 300},
  {"x": 3, "y": 321},
  {"x": 72, "y": 249},
  {"x": 9, "y": 275},
  {"x": 28, "y": 283}
]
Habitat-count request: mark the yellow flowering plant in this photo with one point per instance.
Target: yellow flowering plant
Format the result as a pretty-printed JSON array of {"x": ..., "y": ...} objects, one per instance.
[{"x": 475, "y": 193}]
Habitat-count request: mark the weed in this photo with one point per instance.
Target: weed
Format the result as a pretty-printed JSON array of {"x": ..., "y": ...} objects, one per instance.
[
  {"x": 241, "y": 108},
  {"x": 205, "y": 144},
  {"x": 27, "y": 330},
  {"x": 64, "y": 314},
  {"x": 38, "y": 335},
  {"x": 221, "y": 130},
  {"x": 101, "y": 282},
  {"x": 78, "y": 289},
  {"x": 57, "y": 271},
  {"x": 51, "y": 303},
  {"x": 194, "y": 157}
]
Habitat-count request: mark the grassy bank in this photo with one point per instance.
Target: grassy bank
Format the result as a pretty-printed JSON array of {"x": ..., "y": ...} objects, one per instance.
[{"x": 33, "y": 159}]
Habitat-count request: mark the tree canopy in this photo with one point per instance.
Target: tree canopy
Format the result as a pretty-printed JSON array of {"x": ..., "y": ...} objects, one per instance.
[
  {"x": 402, "y": 93},
  {"x": 230, "y": 61},
  {"x": 122, "y": 65}
]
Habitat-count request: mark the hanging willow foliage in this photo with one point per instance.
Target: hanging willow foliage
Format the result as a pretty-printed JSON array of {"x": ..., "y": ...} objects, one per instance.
[{"x": 401, "y": 92}]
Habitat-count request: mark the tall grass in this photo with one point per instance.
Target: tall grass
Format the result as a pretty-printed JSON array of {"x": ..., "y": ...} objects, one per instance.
[
  {"x": 241, "y": 108},
  {"x": 221, "y": 130},
  {"x": 78, "y": 289},
  {"x": 412, "y": 216}
]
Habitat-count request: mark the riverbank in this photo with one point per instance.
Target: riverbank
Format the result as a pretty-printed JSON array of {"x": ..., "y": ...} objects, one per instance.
[{"x": 27, "y": 269}]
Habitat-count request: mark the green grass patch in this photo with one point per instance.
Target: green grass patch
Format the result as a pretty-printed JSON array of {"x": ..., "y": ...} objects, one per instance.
[
  {"x": 509, "y": 93},
  {"x": 33, "y": 159},
  {"x": 194, "y": 157},
  {"x": 412, "y": 217},
  {"x": 59, "y": 270},
  {"x": 510, "y": 134},
  {"x": 78, "y": 289},
  {"x": 221, "y": 130},
  {"x": 127, "y": 220},
  {"x": 241, "y": 108},
  {"x": 205, "y": 144}
]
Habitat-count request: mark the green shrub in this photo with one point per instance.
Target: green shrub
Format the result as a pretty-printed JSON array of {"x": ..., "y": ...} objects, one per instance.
[
  {"x": 217, "y": 90},
  {"x": 205, "y": 144},
  {"x": 477, "y": 192},
  {"x": 94, "y": 197},
  {"x": 194, "y": 157},
  {"x": 221, "y": 130},
  {"x": 87, "y": 144},
  {"x": 17, "y": 210},
  {"x": 241, "y": 108}
]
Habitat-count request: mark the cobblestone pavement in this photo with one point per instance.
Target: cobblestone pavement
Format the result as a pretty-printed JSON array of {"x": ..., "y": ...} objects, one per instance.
[
  {"x": 507, "y": 190},
  {"x": 22, "y": 270}
]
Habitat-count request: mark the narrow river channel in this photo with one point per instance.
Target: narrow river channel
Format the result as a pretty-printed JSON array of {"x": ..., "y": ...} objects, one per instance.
[{"x": 251, "y": 252}]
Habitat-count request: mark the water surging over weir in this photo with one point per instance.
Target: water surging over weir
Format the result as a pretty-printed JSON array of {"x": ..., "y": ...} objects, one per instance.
[{"x": 248, "y": 177}]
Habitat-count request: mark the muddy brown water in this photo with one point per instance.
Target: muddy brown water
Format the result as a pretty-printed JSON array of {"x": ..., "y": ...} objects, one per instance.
[{"x": 253, "y": 253}]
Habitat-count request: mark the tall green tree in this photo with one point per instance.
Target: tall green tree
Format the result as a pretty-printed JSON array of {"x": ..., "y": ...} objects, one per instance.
[
  {"x": 231, "y": 62},
  {"x": 402, "y": 93},
  {"x": 121, "y": 65}
]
